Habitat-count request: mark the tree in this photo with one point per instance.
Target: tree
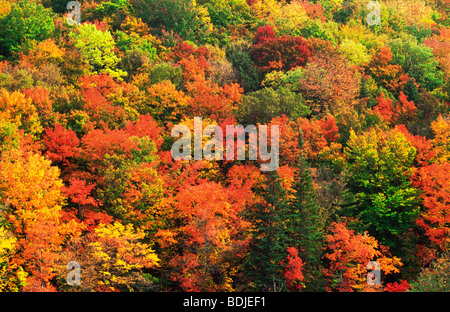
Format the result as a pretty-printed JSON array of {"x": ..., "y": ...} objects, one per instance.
[
  {"x": 25, "y": 22},
  {"x": 211, "y": 238},
  {"x": 186, "y": 18},
  {"x": 440, "y": 45},
  {"x": 293, "y": 271},
  {"x": 402, "y": 113},
  {"x": 34, "y": 191},
  {"x": 17, "y": 108},
  {"x": 349, "y": 253},
  {"x": 384, "y": 200},
  {"x": 304, "y": 222},
  {"x": 329, "y": 85},
  {"x": 61, "y": 143},
  {"x": 434, "y": 182},
  {"x": 441, "y": 140},
  {"x": 355, "y": 52},
  {"x": 112, "y": 258},
  {"x": 243, "y": 64},
  {"x": 418, "y": 61},
  {"x": 165, "y": 103},
  {"x": 224, "y": 14},
  {"x": 270, "y": 237},
  {"x": 265, "y": 104},
  {"x": 12, "y": 277},
  {"x": 283, "y": 53},
  {"x": 97, "y": 49},
  {"x": 385, "y": 72}
]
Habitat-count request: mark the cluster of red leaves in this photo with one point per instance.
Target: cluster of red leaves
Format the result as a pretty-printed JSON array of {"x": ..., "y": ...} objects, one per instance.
[
  {"x": 403, "y": 112},
  {"x": 278, "y": 53}
]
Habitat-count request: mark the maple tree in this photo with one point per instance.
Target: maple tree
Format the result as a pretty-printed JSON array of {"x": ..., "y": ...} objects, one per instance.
[
  {"x": 284, "y": 53},
  {"x": 432, "y": 181},
  {"x": 402, "y": 113},
  {"x": 349, "y": 253},
  {"x": 211, "y": 229},
  {"x": 33, "y": 215},
  {"x": 385, "y": 72}
]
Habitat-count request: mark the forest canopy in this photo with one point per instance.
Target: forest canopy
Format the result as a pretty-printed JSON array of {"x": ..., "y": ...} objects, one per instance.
[{"x": 89, "y": 99}]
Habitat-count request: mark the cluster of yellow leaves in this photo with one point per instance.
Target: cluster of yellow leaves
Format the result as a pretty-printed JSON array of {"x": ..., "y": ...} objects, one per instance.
[
  {"x": 15, "y": 107},
  {"x": 11, "y": 277},
  {"x": 412, "y": 11},
  {"x": 441, "y": 141},
  {"x": 290, "y": 16},
  {"x": 5, "y": 7},
  {"x": 44, "y": 52},
  {"x": 267, "y": 9},
  {"x": 119, "y": 250},
  {"x": 167, "y": 102}
]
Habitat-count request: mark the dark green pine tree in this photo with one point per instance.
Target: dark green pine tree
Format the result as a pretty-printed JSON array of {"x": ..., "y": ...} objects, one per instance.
[
  {"x": 304, "y": 224},
  {"x": 270, "y": 239}
]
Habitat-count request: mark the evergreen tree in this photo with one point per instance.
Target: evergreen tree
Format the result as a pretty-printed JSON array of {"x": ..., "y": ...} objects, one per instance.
[
  {"x": 304, "y": 223},
  {"x": 270, "y": 238}
]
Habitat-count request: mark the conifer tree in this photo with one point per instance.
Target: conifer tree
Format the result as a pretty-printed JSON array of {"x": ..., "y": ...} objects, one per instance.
[
  {"x": 304, "y": 223},
  {"x": 270, "y": 239}
]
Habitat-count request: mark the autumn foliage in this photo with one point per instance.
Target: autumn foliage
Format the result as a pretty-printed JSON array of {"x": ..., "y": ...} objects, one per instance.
[{"x": 87, "y": 174}]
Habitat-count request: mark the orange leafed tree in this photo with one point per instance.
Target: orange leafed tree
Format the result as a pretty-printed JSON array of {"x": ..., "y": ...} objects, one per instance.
[
  {"x": 210, "y": 236},
  {"x": 391, "y": 76},
  {"x": 34, "y": 191},
  {"x": 348, "y": 255},
  {"x": 403, "y": 112},
  {"x": 434, "y": 181}
]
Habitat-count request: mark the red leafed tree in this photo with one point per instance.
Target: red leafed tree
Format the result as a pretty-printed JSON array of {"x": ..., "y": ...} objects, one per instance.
[
  {"x": 41, "y": 100},
  {"x": 426, "y": 152},
  {"x": 288, "y": 140},
  {"x": 293, "y": 270},
  {"x": 210, "y": 236},
  {"x": 397, "y": 287},
  {"x": 434, "y": 181},
  {"x": 212, "y": 101},
  {"x": 145, "y": 126},
  {"x": 278, "y": 53},
  {"x": 97, "y": 143},
  {"x": 194, "y": 61},
  {"x": 317, "y": 135},
  {"x": 348, "y": 255},
  {"x": 61, "y": 143},
  {"x": 101, "y": 110},
  {"x": 79, "y": 194},
  {"x": 207, "y": 99},
  {"x": 403, "y": 112}
]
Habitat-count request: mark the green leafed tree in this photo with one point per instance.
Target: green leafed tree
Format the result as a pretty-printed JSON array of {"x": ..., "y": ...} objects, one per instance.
[
  {"x": 263, "y": 105},
  {"x": 97, "y": 49},
  {"x": 418, "y": 61},
  {"x": 382, "y": 197},
  {"x": 26, "y": 21}
]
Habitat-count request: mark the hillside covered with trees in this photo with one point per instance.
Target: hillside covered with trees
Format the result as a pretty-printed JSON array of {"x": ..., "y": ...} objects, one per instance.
[{"x": 91, "y": 198}]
